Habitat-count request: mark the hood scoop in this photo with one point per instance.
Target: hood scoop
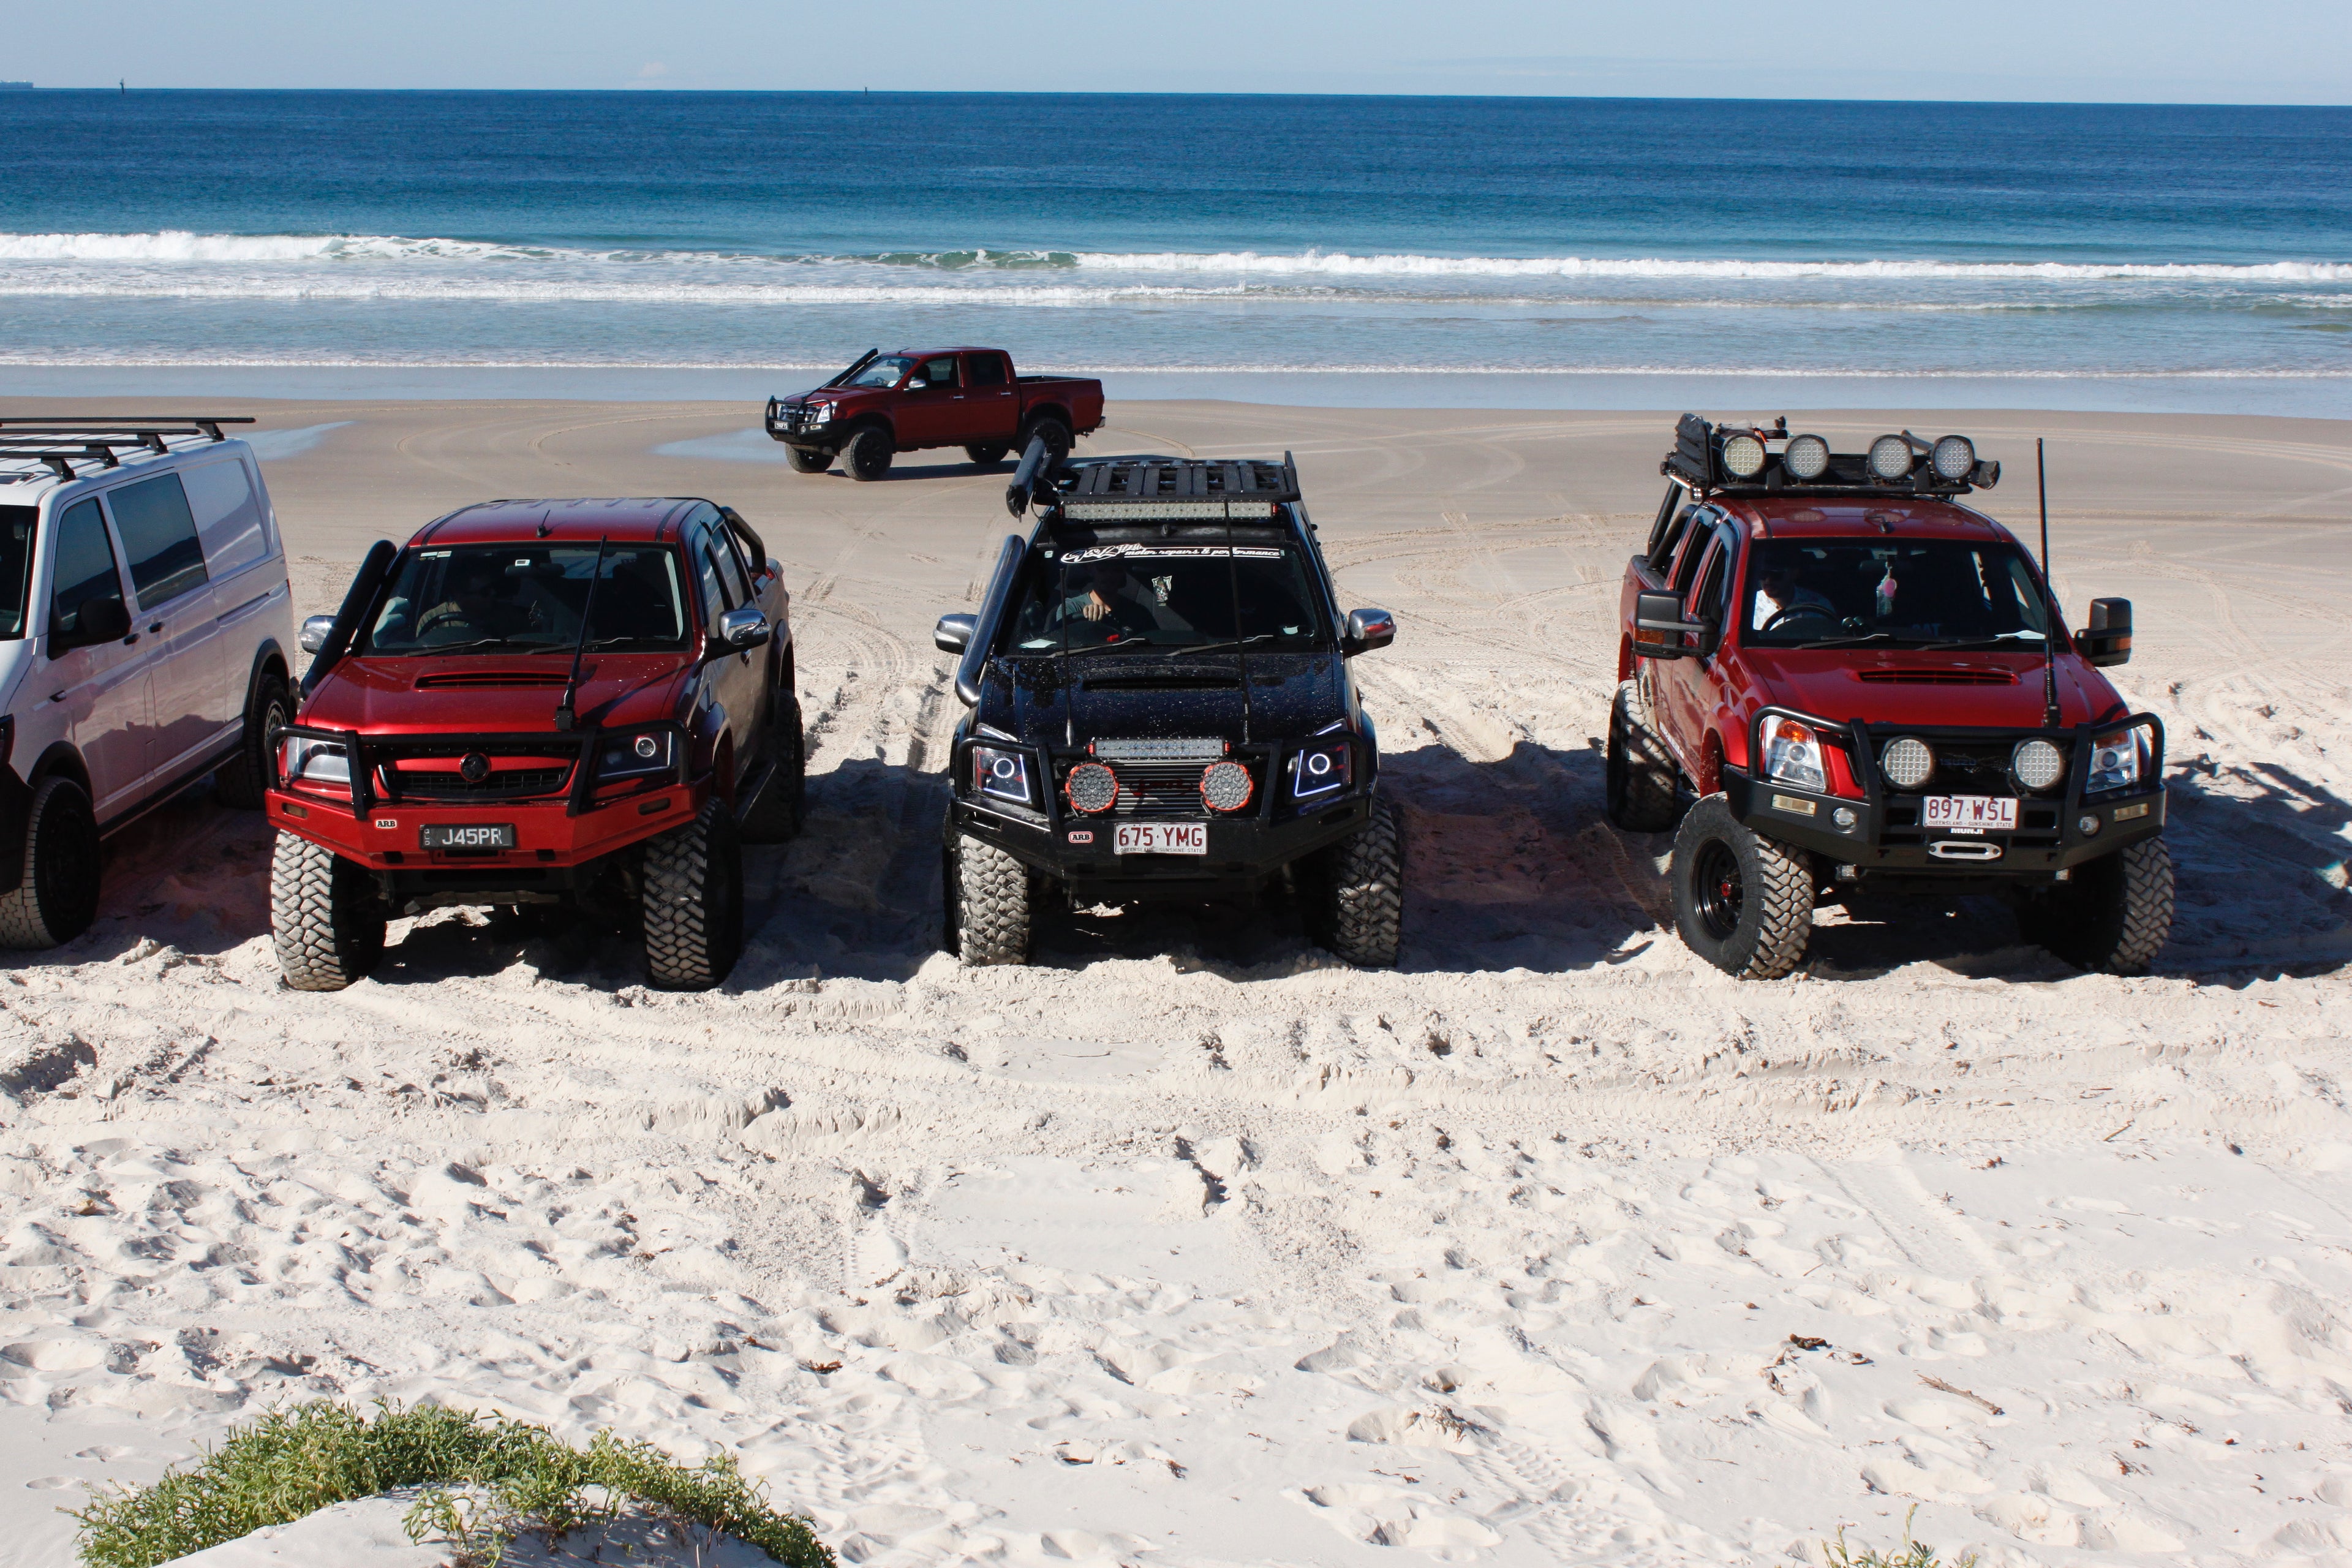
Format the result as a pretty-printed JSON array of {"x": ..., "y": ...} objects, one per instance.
[
  {"x": 490, "y": 678},
  {"x": 1938, "y": 676},
  {"x": 1174, "y": 680}
]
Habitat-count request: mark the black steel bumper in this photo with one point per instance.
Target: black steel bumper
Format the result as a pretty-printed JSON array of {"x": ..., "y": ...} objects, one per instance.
[
  {"x": 787, "y": 423},
  {"x": 1882, "y": 834},
  {"x": 1242, "y": 851}
]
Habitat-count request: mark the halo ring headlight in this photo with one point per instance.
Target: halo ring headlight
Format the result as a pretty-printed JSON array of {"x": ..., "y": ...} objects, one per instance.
[
  {"x": 1907, "y": 761},
  {"x": 1890, "y": 457},
  {"x": 1091, "y": 788},
  {"x": 2037, "y": 764},
  {"x": 1743, "y": 455},
  {"x": 1805, "y": 457},
  {"x": 1954, "y": 459}
]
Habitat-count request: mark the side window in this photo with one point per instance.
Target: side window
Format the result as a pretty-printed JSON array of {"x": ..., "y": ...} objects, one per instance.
[
  {"x": 985, "y": 370},
  {"x": 708, "y": 584},
  {"x": 1690, "y": 552},
  {"x": 939, "y": 372},
  {"x": 227, "y": 514},
  {"x": 82, "y": 567},
  {"x": 1715, "y": 584},
  {"x": 158, "y": 535}
]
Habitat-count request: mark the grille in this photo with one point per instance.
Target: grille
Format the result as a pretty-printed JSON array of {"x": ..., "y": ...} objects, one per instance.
[
  {"x": 1976, "y": 770},
  {"x": 1171, "y": 790},
  {"x": 505, "y": 784}
]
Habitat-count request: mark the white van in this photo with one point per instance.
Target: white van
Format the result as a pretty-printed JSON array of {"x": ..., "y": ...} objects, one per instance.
[{"x": 146, "y": 636}]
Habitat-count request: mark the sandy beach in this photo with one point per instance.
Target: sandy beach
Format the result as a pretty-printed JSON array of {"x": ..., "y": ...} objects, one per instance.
[{"x": 1189, "y": 1246}]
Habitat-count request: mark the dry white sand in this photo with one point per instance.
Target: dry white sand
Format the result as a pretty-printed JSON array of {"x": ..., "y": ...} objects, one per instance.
[{"x": 1188, "y": 1247}]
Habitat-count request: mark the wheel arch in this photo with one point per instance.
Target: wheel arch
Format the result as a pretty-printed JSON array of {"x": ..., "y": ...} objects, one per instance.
[{"x": 1048, "y": 411}]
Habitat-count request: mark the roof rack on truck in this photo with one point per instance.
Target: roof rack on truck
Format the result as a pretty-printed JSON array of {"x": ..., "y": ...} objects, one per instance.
[
  {"x": 60, "y": 443},
  {"x": 1201, "y": 489},
  {"x": 1716, "y": 458}
]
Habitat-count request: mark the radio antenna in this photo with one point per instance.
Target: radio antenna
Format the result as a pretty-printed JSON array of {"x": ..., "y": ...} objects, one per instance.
[{"x": 2049, "y": 600}]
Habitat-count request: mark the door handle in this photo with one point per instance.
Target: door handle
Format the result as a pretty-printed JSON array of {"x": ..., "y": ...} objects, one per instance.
[{"x": 156, "y": 627}]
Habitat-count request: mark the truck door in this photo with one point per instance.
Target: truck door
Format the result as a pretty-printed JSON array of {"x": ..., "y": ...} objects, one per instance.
[
  {"x": 992, "y": 398},
  {"x": 735, "y": 682},
  {"x": 102, "y": 685},
  {"x": 931, "y": 411},
  {"x": 1678, "y": 686}
]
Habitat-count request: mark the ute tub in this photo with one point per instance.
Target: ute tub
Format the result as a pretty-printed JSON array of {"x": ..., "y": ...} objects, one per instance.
[{"x": 1887, "y": 835}]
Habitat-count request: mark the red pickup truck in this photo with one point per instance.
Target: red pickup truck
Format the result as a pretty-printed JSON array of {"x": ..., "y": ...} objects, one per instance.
[{"x": 888, "y": 403}]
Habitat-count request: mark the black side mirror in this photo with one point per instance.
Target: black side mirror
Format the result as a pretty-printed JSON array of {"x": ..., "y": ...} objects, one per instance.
[
  {"x": 1661, "y": 615},
  {"x": 2108, "y": 641},
  {"x": 953, "y": 634},
  {"x": 95, "y": 621},
  {"x": 1369, "y": 629}
]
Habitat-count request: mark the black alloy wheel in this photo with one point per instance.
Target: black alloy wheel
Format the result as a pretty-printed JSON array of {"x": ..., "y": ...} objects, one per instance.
[
  {"x": 866, "y": 455},
  {"x": 1742, "y": 901},
  {"x": 1717, "y": 890}
]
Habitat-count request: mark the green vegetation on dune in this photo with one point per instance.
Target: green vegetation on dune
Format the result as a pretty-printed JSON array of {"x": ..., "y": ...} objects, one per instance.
[{"x": 486, "y": 1481}]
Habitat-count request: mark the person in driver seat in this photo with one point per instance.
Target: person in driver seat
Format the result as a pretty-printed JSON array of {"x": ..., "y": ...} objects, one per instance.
[
  {"x": 1114, "y": 593},
  {"x": 480, "y": 600},
  {"x": 1781, "y": 590}
]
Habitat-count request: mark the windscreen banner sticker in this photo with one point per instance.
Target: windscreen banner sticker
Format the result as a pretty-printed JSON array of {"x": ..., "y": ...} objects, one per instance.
[{"x": 1171, "y": 552}]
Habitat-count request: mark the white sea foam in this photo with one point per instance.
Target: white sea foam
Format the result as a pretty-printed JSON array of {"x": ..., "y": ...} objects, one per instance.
[{"x": 1341, "y": 264}]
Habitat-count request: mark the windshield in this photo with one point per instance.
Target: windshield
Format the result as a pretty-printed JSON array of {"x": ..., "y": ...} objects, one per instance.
[
  {"x": 16, "y": 567},
  {"x": 1897, "y": 591},
  {"x": 528, "y": 598},
  {"x": 887, "y": 370},
  {"x": 1165, "y": 595}
]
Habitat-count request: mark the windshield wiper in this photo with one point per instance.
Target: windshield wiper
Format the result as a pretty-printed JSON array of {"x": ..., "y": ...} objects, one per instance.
[
  {"x": 1844, "y": 642},
  {"x": 1128, "y": 646},
  {"x": 477, "y": 645},
  {"x": 1230, "y": 643},
  {"x": 1999, "y": 639}
]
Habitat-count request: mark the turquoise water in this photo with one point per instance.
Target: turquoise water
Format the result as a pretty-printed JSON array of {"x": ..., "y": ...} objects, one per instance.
[{"x": 1345, "y": 249}]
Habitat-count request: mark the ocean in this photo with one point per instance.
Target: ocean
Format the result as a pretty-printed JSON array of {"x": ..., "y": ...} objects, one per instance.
[{"x": 1532, "y": 252}]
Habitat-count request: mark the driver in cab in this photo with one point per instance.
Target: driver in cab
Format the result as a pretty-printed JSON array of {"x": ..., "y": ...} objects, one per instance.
[
  {"x": 1107, "y": 591},
  {"x": 481, "y": 599},
  {"x": 1781, "y": 591}
]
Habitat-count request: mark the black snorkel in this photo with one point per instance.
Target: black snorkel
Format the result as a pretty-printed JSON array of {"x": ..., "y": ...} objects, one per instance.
[{"x": 564, "y": 715}]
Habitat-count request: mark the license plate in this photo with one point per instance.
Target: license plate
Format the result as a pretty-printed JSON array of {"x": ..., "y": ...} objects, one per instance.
[
  {"x": 1969, "y": 813},
  {"x": 1162, "y": 839},
  {"x": 468, "y": 836}
]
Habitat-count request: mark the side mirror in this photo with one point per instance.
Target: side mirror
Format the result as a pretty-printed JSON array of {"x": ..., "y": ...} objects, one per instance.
[
  {"x": 314, "y": 635},
  {"x": 1661, "y": 613},
  {"x": 739, "y": 631},
  {"x": 1369, "y": 629},
  {"x": 953, "y": 634},
  {"x": 2108, "y": 641},
  {"x": 95, "y": 621},
  {"x": 917, "y": 384}
]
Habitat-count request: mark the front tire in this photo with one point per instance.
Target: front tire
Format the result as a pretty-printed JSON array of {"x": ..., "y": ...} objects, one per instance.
[
  {"x": 1742, "y": 902},
  {"x": 805, "y": 461},
  {"x": 243, "y": 781},
  {"x": 1357, "y": 892},
  {"x": 867, "y": 456},
  {"x": 55, "y": 896},
  {"x": 986, "y": 456},
  {"x": 692, "y": 902},
  {"x": 2114, "y": 916},
  {"x": 323, "y": 917},
  {"x": 988, "y": 904},
  {"x": 1641, "y": 774}
]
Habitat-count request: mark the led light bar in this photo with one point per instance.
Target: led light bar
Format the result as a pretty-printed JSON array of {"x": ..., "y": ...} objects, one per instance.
[
  {"x": 1167, "y": 510},
  {"x": 1204, "y": 749}
]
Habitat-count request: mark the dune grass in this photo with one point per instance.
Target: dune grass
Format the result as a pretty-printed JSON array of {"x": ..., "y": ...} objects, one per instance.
[
  {"x": 486, "y": 1480},
  {"x": 1910, "y": 1554}
]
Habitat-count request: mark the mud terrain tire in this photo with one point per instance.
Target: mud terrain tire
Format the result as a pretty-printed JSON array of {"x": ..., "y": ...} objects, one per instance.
[
  {"x": 2114, "y": 916},
  {"x": 693, "y": 901},
  {"x": 1641, "y": 774},
  {"x": 1357, "y": 892},
  {"x": 323, "y": 918},
  {"x": 803, "y": 461},
  {"x": 242, "y": 780},
  {"x": 55, "y": 895},
  {"x": 986, "y": 456},
  {"x": 1742, "y": 902},
  {"x": 866, "y": 457},
  {"x": 988, "y": 904},
  {"x": 775, "y": 816}
]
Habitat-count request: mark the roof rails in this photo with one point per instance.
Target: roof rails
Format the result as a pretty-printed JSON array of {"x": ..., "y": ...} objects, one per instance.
[
  {"x": 1710, "y": 457},
  {"x": 60, "y": 443},
  {"x": 1200, "y": 489}
]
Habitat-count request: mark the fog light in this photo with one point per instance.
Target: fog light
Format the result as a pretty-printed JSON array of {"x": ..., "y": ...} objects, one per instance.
[
  {"x": 1091, "y": 787},
  {"x": 1908, "y": 762},
  {"x": 1226, "y": 786},
  {"x": 2088, "y": 824},
  {"x": 1843, "y": 817}
]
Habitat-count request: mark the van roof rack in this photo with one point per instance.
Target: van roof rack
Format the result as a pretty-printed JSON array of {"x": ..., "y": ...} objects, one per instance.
[{"x": 60, "y": 443}]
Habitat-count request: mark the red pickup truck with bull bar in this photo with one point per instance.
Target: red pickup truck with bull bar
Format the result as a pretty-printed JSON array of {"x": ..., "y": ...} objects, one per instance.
[
  {"x": 586, "y": 703},
  {"x": 1837, "y": 679},
  {"x": 883, "y": 404}
]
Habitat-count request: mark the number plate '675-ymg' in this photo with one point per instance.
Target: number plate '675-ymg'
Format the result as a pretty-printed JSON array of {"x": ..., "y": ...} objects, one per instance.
[{"x": 468, "y": 836}]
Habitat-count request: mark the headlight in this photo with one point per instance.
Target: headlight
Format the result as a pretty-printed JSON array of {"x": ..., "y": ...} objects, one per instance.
[
  {"x": 1321, "y": 770},
  {"x": 635, "y": 756},
  {"x": 821, "y": 414},
  {"x": 313, "y": 761},
  {"x": 1908, "y": 762},
  {"x": 2038, "y": 764},
  {"x": 2119, "y": 760},
  {"x": 1954, "y": 459},
  {"x": 1743, "y": 457},
  {"x": 1805, "y": 457},
  {"x": 1005, "y": 774},
  {"x": 1793, "y": 754},
  {"x": 1890, "y": 457}
]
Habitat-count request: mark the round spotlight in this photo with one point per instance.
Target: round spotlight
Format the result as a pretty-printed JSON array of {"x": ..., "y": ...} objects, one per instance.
[
  {"x": 1954, "y": 459},
  {"x": 1743, "y": 457},
  {"x": 1091, "y": 788},
  {"x": 1843, "y": 817},
  {"x": 2088, "y": 824},
  {"x": 1908, "y": 762},
  {"x": 1890, "y": 457},
  {"x": 2038, "y": 764},
  {"x": 1805, "y": 457},
  {"x": 1226, "y": 786}
]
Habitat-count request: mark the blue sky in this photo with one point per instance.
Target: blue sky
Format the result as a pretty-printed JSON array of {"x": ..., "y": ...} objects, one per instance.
[{"x": 2255, "y": 51}]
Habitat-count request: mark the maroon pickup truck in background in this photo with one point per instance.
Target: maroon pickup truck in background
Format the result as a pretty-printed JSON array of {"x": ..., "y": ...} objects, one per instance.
[{"x": 888, "y": 403}]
